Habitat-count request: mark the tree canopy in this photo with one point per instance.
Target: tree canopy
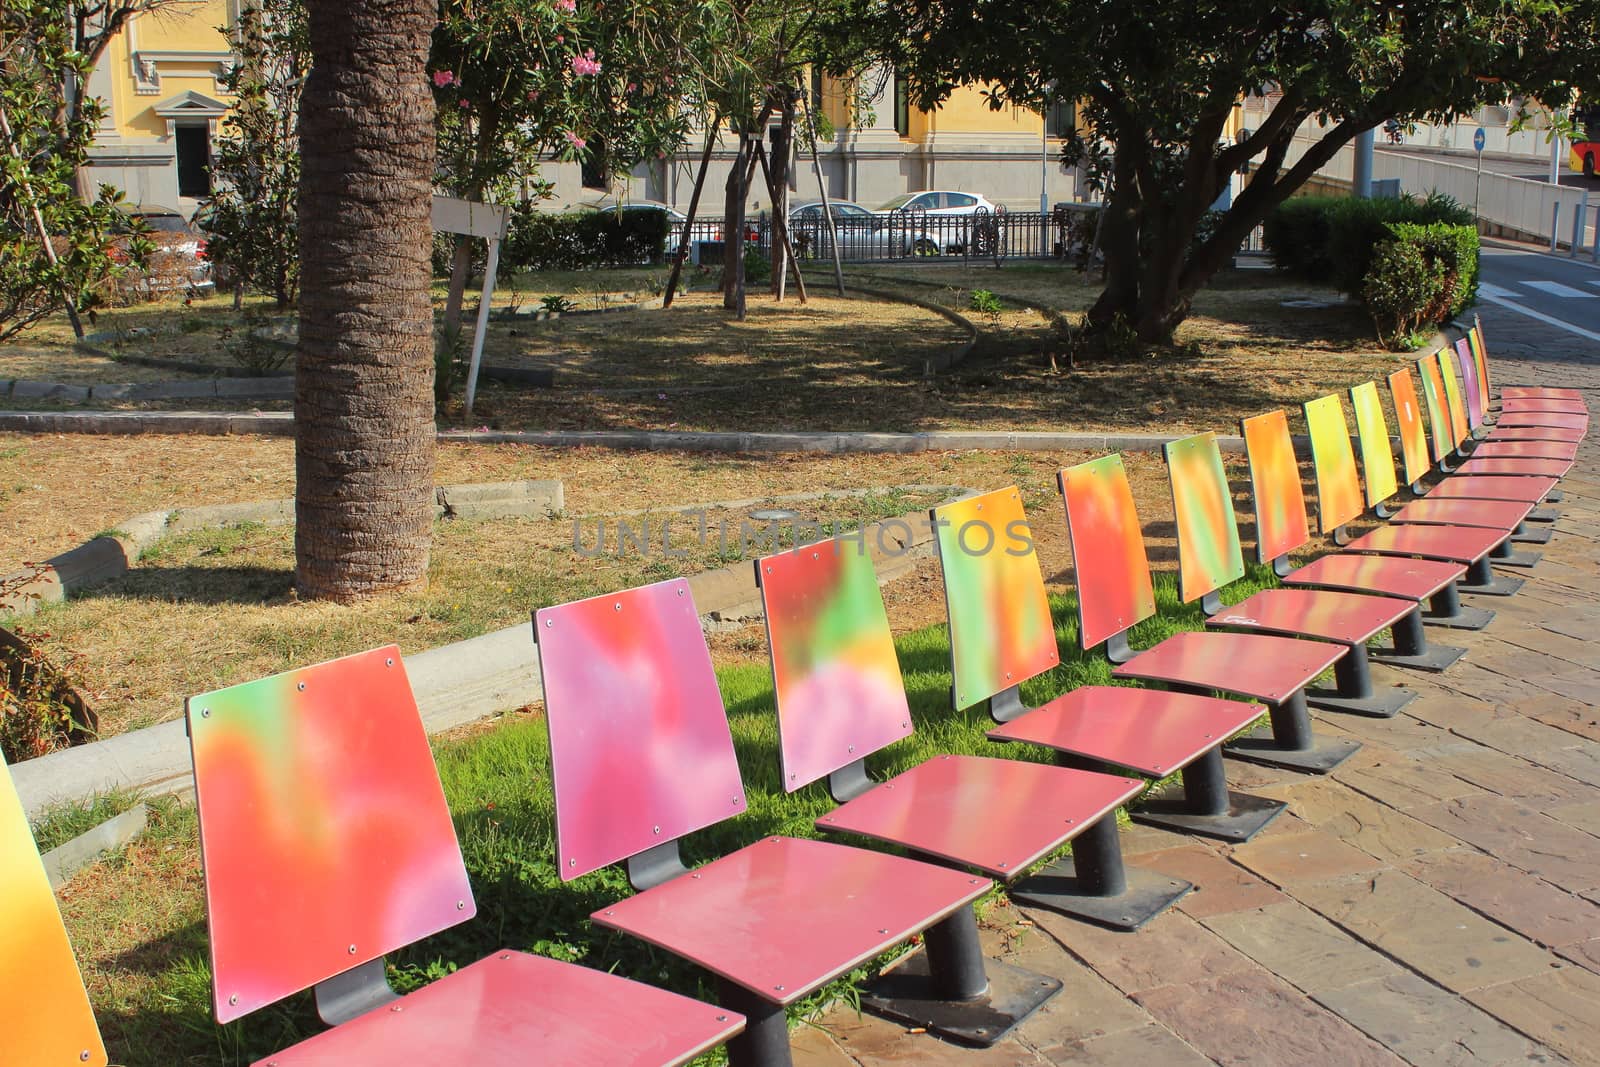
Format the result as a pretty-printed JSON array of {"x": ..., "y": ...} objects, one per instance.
[{"x": 1156, "y": 84}]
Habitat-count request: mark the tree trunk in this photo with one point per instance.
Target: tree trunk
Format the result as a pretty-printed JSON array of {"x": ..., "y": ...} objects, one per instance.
[
  {"x": 778, "y": 193},
  {"x": 364, "y": 433},
  {"x": 733, "y": 229}
]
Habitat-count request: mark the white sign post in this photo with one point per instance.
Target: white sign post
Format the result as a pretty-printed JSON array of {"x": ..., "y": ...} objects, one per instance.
[{"x": 473, "y": 219}]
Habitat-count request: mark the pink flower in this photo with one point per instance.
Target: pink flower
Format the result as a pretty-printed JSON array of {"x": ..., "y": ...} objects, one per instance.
[
  {"x": 585, "y": 64},
  {"x": 569, "y": 6},
  {"x": 443, "y": 78},
  {"x": 632, "y": 86},
  {"x": 561, "y": 39},
  {"x": 533, "y": 94},
  {"x": 465, "y": 103},
  {"x": 574, "y": 140}
]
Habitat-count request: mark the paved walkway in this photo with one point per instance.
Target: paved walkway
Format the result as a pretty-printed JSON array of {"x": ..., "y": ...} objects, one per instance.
[{"x": 1436, "y": 900}]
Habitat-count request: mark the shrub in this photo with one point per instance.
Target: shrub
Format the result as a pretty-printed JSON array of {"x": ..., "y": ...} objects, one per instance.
[
  {"x": 1454, "y": 249},
  {"x": 543, "y": 241},
  {"x": 1401, "y": 285},
  {"x": 39, "y": 710},
  {"x": 1331, "y": 240}
]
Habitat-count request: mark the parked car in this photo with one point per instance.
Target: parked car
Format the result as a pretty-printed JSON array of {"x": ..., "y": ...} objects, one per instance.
[
  {"x": 936, "y": 221},
  {"x": 179, "y": 259},
  {"x": 862, "y": 234}
]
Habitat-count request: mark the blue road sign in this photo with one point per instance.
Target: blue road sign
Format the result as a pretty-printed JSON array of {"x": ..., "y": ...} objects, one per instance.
[{"x": 1479, "y": 139}]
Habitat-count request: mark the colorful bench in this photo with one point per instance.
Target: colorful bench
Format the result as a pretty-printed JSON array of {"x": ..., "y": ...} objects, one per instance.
[
  {"x": 327, "y": 843},
  {"x": 840, "y": 699},
  {"x": 1210, "y": 558},
  {"x": 1002, "y": 634},
  {"x": 1282, "y": 528},
  {"x": 1339, "y": 501},
  {"x": 1115, "y": 593},
  {"x": 642, "y": 755},
  {"x": 48, "y": 1019}
]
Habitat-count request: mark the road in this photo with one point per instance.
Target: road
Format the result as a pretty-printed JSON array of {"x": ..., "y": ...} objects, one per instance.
[{"x": 1555, "y": 290}]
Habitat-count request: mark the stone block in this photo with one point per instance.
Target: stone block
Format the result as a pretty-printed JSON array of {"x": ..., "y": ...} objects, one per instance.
[
  {"x": 1429, "y": 1026},
  {"x": 1372, "y": 827},
  {"x": 1153, "y": 1044},
  {"x": 1523, "y": 837},
  {"x": 203, "y": 389},
  {"x": 1256, "y": 1017},
  {"x": 1425, "y": 930},
  {"x": 256, "y": 388},
  {"x": 1309, "y": 857},
  {"x": 59, "y": 392},
  {"x": 210, "y": 516},
  {"x": 1301, "y": 947},
  {"x": 1557, "y": 1007},
  {"x": 1171, "y": 949},
  {"x": 63, "y": 862},
  {"x": 1532, "y": 907},
  {"x": 89, "y": 564},
  {"x": 500, "y": 500},
  {"x": 1219, "y": 886},
  {"x": 118, "y": 391}
]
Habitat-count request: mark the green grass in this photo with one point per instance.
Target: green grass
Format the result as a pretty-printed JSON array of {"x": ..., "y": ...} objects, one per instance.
[
  {"x": 61, "y": 824},
  {"x": 498, "y": 786}
]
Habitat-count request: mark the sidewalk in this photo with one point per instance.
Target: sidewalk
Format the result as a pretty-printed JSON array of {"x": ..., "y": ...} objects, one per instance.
[{"x": 1435, "y": 900}]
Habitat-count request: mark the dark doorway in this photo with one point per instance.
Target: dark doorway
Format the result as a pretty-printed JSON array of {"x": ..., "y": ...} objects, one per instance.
[{"x": 194, "y": 160}]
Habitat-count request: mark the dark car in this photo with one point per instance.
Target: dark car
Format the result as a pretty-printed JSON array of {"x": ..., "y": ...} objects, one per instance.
[{"x": 178, "y": 261}]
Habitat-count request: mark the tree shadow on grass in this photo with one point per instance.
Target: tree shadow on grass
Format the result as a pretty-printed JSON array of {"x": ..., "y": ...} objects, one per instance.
[{"x": 199, "y": 585}]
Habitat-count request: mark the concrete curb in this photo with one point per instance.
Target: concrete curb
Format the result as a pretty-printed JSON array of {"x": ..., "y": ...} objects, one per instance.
[
  {"x": 270, "y": 388},
  {"x": 110, "y": 556},
  {"x": 67, "y": 860},
  {"x": 454, "y": 684}
]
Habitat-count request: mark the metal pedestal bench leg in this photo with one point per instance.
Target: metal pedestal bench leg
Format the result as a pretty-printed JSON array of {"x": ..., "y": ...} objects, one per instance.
[
  {"x": 1096, "y": 887},
  {"x": 1289, "y": 743},
  {"x": 952, "y": 990},
  {"x": 1355, "y": 692},
  {"x": 1207, "y": 807},
  {"x": 1412, "y": 648},
  {"x": 1527, "y": 535},
  {"x": 1445, "y": 609},
  {"x": 1482, "y": 580},
  {"x": 1507, "y": 556}
]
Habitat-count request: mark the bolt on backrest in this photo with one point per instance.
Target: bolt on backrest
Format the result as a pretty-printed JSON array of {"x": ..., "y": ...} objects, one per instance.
[
  {"x": 1209, "y": 555},
  {"x": 48, "y": 1017},
  {"x": 1108, "y": 553},
  {"x": 835, "y": 677},
  {"x": 1282, "y": 526},
  {"x": 324, "y": 831},
  {"x": 1001, "y": 631},
  {"x": 1338, "y": 487},
  {"x": 640, "y": 749},
  {"x": 1439, "y": 431},
  {"x": 1377, "y": 455},
  {"x": 1413, "y": 438}
]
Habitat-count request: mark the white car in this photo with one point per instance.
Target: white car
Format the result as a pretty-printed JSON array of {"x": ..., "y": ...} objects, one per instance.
[
  {"x": 936, "y": 221},
  {"x": 938, "y": 202}
]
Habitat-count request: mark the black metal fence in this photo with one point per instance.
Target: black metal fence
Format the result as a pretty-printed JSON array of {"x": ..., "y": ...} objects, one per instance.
[{"x": 996, "y": 236}]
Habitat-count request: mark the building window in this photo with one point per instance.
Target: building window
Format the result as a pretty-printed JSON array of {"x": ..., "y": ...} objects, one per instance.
[
  {"x": 902, "y": 105},
  {"x": 193, "y": 147},
  {"x": 816, "y": 90},
  {"x": 596, "y": 166},
  {"x": 1061, "y": 119}
]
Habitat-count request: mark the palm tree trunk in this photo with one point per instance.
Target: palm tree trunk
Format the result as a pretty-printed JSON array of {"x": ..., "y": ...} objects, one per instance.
[{"x": 364, "y": 432}]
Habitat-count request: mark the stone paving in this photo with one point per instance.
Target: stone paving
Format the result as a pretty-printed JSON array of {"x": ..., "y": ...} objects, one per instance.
[{"x": 1435, "y": 900}]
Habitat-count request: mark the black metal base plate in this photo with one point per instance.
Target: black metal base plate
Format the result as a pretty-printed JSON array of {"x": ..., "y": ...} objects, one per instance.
[
  {"x": 906, "y": 995},
  {"x": 1554, "y": 496},
  {"x": 1324, "y": 755},
  {"x": 1465, "y": 618},
  {"x": 1500, "y": 586},
  {"x": 1517, "y": 559},
  {"x": 1056, "y": 887},
  {"x": 1532, "y": 535},
  {"x": 1246, "y": 816},
  {"x": 1382, "y": 704},
  {"x": 1544, "y": 515},
  {"x": 1436, "y": 658}
]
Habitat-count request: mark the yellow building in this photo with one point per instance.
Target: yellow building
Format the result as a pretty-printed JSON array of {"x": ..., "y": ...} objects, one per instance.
[
  {"x": 1011, "y": 156},
  {"x": 161, "y": 83}
]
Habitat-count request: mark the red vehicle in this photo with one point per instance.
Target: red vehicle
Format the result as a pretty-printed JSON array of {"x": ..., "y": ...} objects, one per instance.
[{"x": 1586, "y": 141}]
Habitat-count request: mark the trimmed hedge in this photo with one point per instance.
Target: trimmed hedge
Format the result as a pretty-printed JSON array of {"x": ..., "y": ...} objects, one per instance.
[
  {"x": 1421, "y": 276},
  {"x": 542, "y": 241},
  {"x": 1331, "y": 240}
]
